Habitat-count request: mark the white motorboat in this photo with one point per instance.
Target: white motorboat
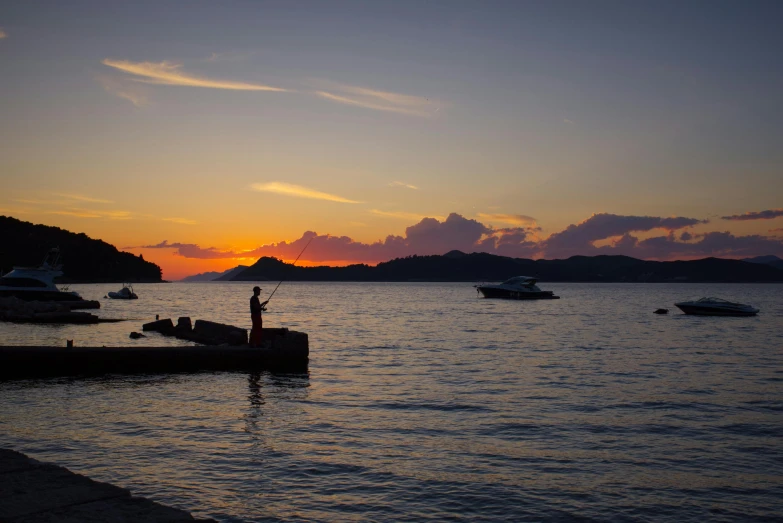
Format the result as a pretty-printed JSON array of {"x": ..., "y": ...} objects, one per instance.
[
  {"x": 126, "y": 293},
  {"x": 716, "y": 307},
  {"x": 516, "y": 288},
  {"x": 37, "y": 283}
]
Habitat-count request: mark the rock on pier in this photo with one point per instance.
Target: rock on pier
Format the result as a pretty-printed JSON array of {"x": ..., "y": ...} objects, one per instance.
[{"x": 36, "y": 492}]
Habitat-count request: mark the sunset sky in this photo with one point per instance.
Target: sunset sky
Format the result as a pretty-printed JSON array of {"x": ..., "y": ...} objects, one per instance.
[{"x": 205, "y": 134}]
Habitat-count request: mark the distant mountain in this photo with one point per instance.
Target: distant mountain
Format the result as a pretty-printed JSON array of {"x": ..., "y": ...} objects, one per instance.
[
  {"x": 489, "y": 267},
  {"x": 212, "y": 275},
  {"x": 767, "y": 260},
  {"x": 229, "y": 274},
  {"x": 84, "y": 259}
]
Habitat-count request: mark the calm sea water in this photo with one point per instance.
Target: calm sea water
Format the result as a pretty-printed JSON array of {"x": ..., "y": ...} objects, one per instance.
[{"x": 424, "y": 402}]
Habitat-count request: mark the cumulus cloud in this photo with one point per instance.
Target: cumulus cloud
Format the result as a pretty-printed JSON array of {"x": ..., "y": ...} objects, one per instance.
[
  {"x": 760, "y": 215},
  {"x": 191, "y": 250},
  {"x": 169, "y": 73},
  {"x": 298, "y": 191},
  {"x": 717, "y": 244},
  {"x": 429, "y": 236},
  {"x": 580, "y": 238},
  {"x": 438, "y": 236}
]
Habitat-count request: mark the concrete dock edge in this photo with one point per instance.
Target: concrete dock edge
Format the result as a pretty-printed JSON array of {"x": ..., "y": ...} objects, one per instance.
[{"x": 36, "y": 492}]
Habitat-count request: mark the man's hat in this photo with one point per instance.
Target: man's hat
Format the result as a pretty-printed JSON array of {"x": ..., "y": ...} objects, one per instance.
[{"x": 256, "y": 288}]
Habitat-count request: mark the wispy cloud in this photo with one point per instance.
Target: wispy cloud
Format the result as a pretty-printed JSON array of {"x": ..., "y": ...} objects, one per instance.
[
  {"x": 513, "y": 219},
  {"x": 298, "y": 191},
  {"x": 368, "y": 104},
  {"x": 403, "y": 215},
  {"x": 3, "y": 34},
  {"x": 169, "y": 73},
  {"x": 392, "y": 98},
  {"x": 228, "y": 56},
  {"x": 761, "y": 215},
  {"x": 181, "y": 221},
  {"x": 10, "y": 210},
  {"x": 35, "y": 202},
  {"x": 82, "y": 198},
  {"x": 88, "y": 213},
  {"x": 403, "y": 184},
  {"x": 379, "y": 100},
  {"x": 131, "y": 91}
]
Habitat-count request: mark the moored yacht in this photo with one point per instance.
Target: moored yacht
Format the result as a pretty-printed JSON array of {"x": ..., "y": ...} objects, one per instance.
[
  {"x": 516, "y": 288},
  {"x": 37, "y": 283},
  {"x": 716, "y": 307}
]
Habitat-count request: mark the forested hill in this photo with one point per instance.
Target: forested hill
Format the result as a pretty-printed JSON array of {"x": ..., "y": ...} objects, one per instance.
[
  {"x": 83, "y": 259},
  {"x": 457, "y": 266}
]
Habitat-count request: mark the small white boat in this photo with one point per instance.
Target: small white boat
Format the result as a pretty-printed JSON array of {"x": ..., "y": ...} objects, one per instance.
[
  {"x": 716, "y": 307},
  {"x": 516, "y": 288},
  {"x": 37, "y": 283},
  {"x": 126, "y": 293}
]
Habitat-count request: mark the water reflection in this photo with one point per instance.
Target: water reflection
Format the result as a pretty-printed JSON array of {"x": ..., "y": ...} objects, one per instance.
[
  {"x": 292, "y": 388},
  {"x": 425, "y": 404}
]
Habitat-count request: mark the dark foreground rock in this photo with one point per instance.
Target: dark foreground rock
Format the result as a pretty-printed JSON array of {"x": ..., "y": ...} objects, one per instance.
[
  {"x": 204, "y": 332},
  {"x": 162, "y": 326},
  {"x": 36, "y": 492}
]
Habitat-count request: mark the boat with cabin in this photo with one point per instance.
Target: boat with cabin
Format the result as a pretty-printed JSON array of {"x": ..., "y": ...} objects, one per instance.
[
  {"x": 516, "y": 288},
  {"x": 716, "y": 307},
  {"x": 37, "y": 283}
]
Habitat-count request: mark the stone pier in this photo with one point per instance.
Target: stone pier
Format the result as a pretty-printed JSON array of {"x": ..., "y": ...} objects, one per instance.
[{"x": 287, "y": 352}]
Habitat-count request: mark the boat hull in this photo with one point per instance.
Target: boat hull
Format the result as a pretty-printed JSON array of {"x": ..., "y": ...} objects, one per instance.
[
  {"x": 39, "y": 295},
  {"x": 491, "y": 292},
  {"x": 117, "y": 296},
  {"x": 707, "y": 311}
]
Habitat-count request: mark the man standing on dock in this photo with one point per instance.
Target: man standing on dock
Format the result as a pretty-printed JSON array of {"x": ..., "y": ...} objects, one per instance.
[{"x": 256, "y": 308}]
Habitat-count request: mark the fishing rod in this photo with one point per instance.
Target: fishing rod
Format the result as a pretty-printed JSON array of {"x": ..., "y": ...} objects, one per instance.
[{"x": 296, "y": 260}]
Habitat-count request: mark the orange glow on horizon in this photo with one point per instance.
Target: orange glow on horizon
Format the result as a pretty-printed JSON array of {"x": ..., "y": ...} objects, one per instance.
[{"x": 176, "y": 267}]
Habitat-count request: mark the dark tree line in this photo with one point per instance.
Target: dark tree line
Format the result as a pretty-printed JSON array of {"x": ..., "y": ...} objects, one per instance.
[
  {"x": 83, "y": 259},
  {"x": 457, "y": 266}
]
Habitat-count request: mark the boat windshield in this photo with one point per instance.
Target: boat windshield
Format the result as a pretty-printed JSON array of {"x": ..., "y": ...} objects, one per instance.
[
  {"x": 520, "y": 280},
  {"x": 716, "y": 300}
]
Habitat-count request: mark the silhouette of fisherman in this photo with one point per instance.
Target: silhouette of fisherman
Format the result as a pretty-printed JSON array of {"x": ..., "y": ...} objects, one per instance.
[{"x": 256, "y": 308}]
